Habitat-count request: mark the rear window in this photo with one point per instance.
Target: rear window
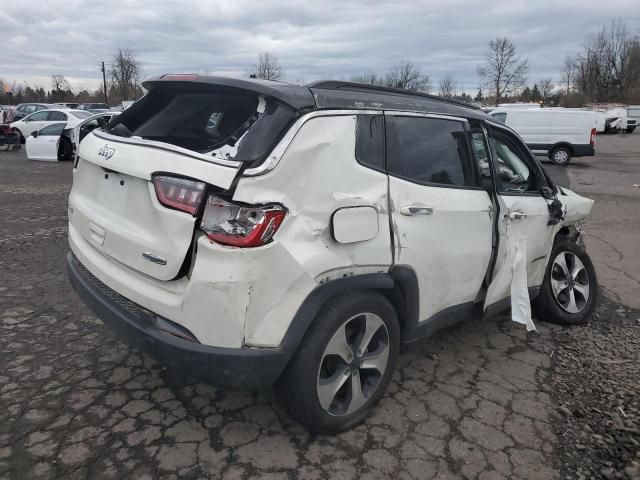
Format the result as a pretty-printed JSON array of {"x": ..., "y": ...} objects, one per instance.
[{"x": 230, "y": 126}]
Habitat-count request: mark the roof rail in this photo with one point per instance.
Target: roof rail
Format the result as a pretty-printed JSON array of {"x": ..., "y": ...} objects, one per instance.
[{"x": 367, "y": 87}]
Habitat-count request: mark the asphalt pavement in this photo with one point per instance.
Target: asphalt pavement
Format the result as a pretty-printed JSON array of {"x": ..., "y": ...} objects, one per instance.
[{"x": 477, "y": 401}]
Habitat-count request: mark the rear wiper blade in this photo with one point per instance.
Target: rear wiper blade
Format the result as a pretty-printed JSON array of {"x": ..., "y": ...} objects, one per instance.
[{"x": 120, "y": 130}]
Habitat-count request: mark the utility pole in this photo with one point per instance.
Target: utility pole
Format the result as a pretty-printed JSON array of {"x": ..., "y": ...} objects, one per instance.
[{"x": 104, "y": 84}]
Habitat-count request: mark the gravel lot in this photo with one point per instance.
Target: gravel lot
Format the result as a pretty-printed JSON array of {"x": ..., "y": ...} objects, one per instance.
[{"x": 484, "y": 400}]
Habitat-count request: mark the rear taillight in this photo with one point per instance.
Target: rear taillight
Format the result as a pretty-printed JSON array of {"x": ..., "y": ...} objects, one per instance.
[
  {"x": 238, "y": 225},
  {"x": 179, "y": 193},
  {"x": 592, "y": 139}
]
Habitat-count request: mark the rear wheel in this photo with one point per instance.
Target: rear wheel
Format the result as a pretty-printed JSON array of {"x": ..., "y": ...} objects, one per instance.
[
  {"x": 560, "y": 156},
  {"x": 569, "y": 293},
  {"x": 344, "y": 363}
]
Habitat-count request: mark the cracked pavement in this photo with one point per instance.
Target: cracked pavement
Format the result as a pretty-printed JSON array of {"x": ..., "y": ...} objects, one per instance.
[{"x": 76, "y": 402}]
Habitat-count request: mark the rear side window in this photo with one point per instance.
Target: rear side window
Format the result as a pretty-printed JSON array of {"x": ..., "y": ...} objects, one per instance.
[
  {"x": 370, "y": 141},
  {"x": 428, "y": 151},
  {"x": 56, "y": 116}
]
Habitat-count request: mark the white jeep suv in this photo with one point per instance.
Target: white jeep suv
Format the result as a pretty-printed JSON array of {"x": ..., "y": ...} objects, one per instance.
[{"x": 255, "y": 233}]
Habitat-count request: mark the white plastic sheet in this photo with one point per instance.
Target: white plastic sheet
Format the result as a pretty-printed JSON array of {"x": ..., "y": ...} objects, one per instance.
[
  {"x": 520, "y": 301},
  {"x": 511, "y": 280}
]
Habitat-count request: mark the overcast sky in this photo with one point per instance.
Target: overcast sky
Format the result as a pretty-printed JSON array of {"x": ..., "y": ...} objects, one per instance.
[{"x": 312, "y": 39}]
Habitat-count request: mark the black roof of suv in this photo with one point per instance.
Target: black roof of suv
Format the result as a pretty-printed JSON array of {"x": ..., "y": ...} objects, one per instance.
[{"x": 331, "y": 94}]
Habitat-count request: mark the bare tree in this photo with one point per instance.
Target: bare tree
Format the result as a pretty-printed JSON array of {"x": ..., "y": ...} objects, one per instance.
[
  {"x": 268, "y": 67},
  {"x": 608, "y": 68},
  {"x": 370, "y": 78},
  {"x": 546, "y": 89},
  {"x": 408, "y": 76},
  {"x": 568, "y": 73},
  {"x": 59, "y": 83},
  {"x": 448, "y": 86},
  {"x": 125, "y": 74},
  {"x": 503, "y": 72}
]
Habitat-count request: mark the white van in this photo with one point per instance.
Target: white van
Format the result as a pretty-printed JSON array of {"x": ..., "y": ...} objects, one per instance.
[{"x": 558, "y": 133}]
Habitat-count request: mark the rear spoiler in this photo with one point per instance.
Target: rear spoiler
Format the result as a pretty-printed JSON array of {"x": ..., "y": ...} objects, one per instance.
[{"x": 295, "y": 96}]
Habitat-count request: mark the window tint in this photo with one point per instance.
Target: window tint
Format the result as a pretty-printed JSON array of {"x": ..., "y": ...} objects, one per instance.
[
  {"x": 370, "y": 141},
  {"x": 428, "y": 150},
  {"x": 56, "y": 116},
  {"x": 52, "y": 129},
  {"x": 39, "y": 117},
  {"x": 513, "y": 171},
  {"x": 501, "y": 117}
]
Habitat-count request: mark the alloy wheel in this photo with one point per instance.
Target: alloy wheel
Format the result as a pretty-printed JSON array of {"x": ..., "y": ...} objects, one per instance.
[
  {"x": 353, "y": 364},
  {"x": 569, "y": 282}
]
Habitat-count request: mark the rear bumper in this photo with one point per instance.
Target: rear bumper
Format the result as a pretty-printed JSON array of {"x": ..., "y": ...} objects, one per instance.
[
  {"x": 231, "y": 368},
  {"x": 583, "y": 150}
]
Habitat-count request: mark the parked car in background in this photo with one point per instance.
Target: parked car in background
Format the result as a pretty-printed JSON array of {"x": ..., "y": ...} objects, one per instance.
[
  {"x": 306, "y": 232},
  {"x": 559, "y": 133},
  {"x": 76, "y": 133},
  {"x": 68, "y": 105},
  {"x": 47, "y": 144},
  {"x": 23, "y": 109},
  {"x": 616, "y": 120},
  {"x": 94, "y": 107},
  {"x": 44, "y": 118}
]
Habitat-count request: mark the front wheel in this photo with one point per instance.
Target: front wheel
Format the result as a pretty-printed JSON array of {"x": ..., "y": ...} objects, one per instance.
[
  {"x": 569, "y": 292},
  {"x": 560, "y": 156},
  {"x": 344, "y": 363}
]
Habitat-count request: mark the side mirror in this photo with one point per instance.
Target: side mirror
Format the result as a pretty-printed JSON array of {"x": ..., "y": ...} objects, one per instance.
[{"x": 34, "y": 134}]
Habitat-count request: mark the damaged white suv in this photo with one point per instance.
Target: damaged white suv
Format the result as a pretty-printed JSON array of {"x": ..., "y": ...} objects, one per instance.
[{"x": 256, "y": 233}]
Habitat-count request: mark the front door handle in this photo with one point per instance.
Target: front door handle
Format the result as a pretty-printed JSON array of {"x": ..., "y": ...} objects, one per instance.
[
  {"x": 415, "y": 210},
  {"x": 517, "y": 215}
]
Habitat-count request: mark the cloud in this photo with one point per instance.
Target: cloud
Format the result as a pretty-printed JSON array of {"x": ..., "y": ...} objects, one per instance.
[{"x": 313, "y": 40}]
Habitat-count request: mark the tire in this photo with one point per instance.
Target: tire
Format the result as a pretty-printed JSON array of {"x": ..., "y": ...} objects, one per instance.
[
  {"x": 553, "y": 303},
  {"x": 560, "y": 156},
  {"x": 65, "y": 150},
  {"x": 316, "y": 368}
]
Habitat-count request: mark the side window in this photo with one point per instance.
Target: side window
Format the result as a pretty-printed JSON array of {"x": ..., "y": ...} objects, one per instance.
[
  {"x": 56, "y": 116},
  {"x": 500, "y": 116},
  {"x": 38, "y": 117},
  {"x": 55, "y": 130},
  {"x": 30, "y": 109},
  {"x": 370, "y": 141},
  {"x": 429, "y": 150},
  {"x": 512, "y": 164}
]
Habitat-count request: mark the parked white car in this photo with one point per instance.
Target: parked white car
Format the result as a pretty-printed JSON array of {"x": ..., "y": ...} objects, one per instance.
[
  {"x": 43, "y": 118},
  {"x": 253, "y": 233},
  {"x": 86, "y": 126},
  {"x": 559, "y": 133},
  {"x": 45, "y": 144}
]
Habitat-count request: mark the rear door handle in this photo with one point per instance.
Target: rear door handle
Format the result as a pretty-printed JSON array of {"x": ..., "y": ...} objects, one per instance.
[
  {"x": 517, "y": 215},
  {"x": 415, "y": 210}
]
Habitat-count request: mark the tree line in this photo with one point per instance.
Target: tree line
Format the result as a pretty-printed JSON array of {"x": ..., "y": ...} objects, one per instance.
[
  {"x": 123, "y": 83},
  {"x": 607, "y": 69}
]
